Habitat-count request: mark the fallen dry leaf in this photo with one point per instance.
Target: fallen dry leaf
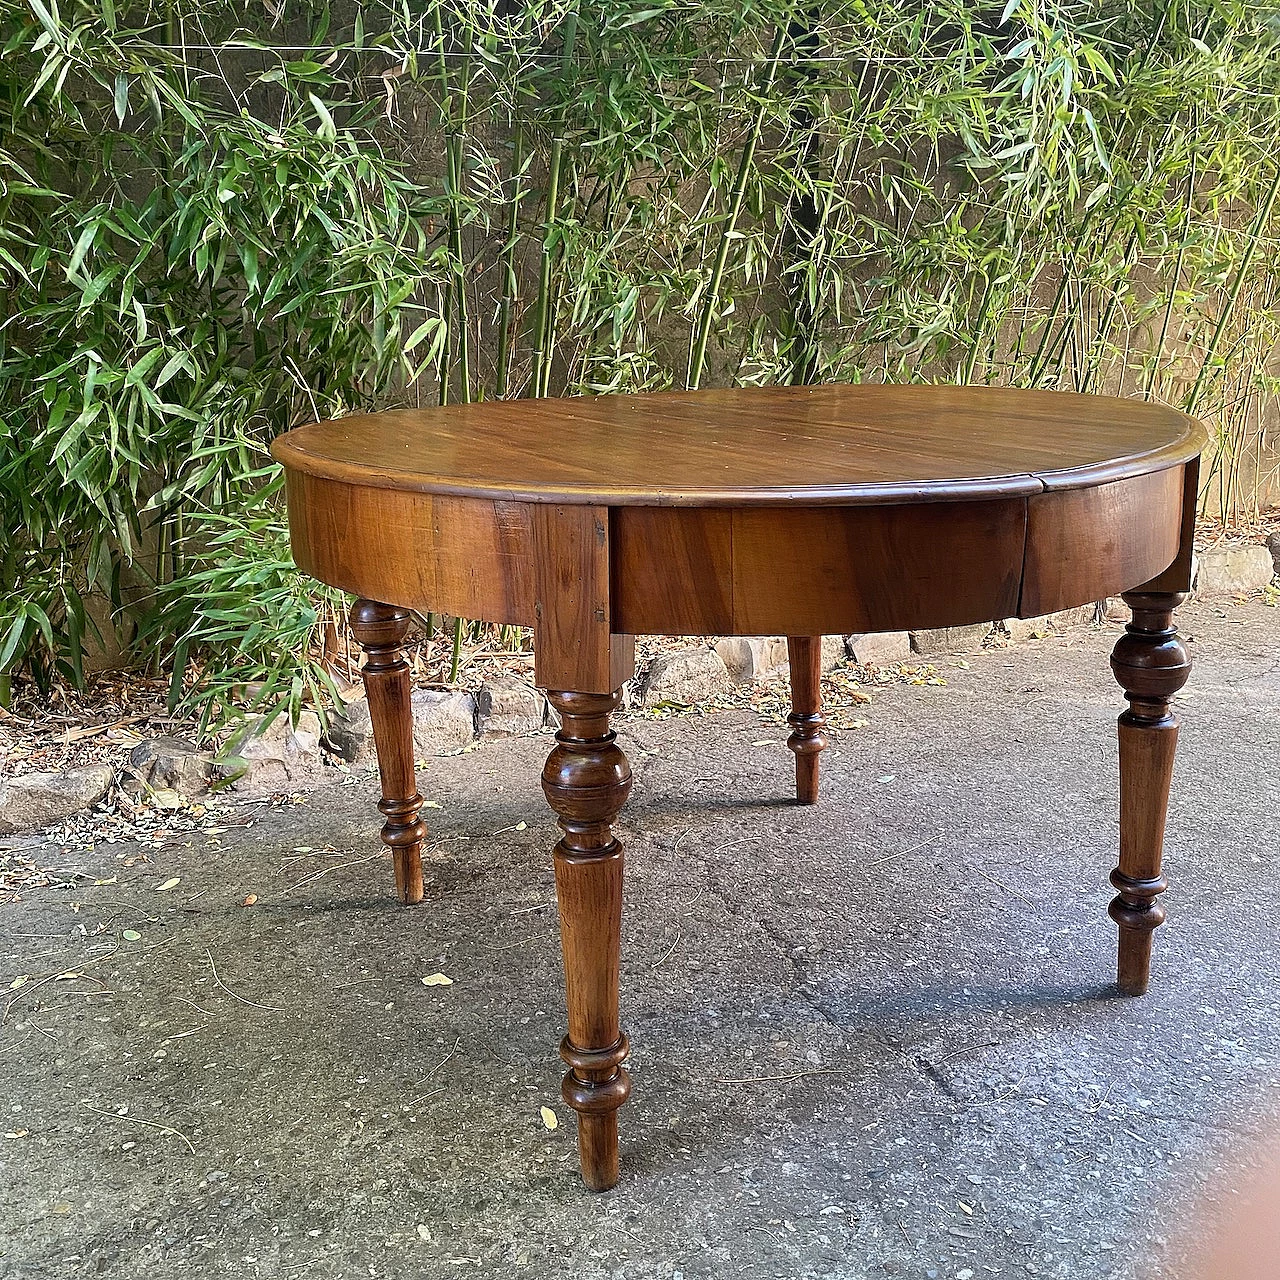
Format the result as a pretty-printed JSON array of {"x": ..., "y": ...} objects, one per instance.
[
  {"x": 437, "y": 980},
  {"x": 250, "y": 899},
  {"x": 170, "y": 884},
  {"x": 549, "y": 1118}
]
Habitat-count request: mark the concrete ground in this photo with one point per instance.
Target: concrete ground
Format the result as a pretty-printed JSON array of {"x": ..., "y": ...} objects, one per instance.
[{"x": 871, "y": 1038}]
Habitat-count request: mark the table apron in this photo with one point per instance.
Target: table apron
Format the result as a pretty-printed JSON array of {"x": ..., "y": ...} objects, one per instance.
[
  {"x": 834, "y": 570},
  {"x": 752, "y": 570},
  {"x": 468, "y": 557}
]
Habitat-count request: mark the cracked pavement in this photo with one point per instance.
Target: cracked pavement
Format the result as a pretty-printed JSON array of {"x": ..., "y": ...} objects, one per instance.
[{"x": 875, "y": 1037}]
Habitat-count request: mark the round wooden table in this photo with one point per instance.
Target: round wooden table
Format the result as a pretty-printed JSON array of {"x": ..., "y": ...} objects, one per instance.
[{"x": 801, "y": 511}]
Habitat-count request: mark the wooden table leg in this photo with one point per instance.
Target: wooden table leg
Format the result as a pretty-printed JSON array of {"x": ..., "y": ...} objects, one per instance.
[
  {"x": 806, "y": 719},
  {"x": 1151, "y": 663},
  {"x": 381, "y": 630},
  {"x": 586, "y": 780}
]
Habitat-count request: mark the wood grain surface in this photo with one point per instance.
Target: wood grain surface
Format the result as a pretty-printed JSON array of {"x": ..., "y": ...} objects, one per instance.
[
  {"x": 802, "y": 511},
  {"x": 381, "y": 631},
  {"x": 747, "y": 446},
  {"x": 575, "y": 640},
  {"x": 1151, "y": 664},
  {"x": 586, "y": 780},
  {"x": 1088, "y": 544},
  {"x": 808, "y": 724},
  {"x": 469, "y": 557}
]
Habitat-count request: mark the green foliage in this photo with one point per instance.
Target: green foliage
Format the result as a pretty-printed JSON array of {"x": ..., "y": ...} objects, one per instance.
[
  {"x": 184, "y": 279},
  {"x": 209, "y": 235},
  {"x": 252, "y": 615}
]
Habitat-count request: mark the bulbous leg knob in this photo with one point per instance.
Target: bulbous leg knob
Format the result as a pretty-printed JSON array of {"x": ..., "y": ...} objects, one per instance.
[
  {"x": 380, "y": 630},
  {"x": 586, "y": 780},
  {"x": 1151, "y": 664},
  {"x": 808, "y": 724}
]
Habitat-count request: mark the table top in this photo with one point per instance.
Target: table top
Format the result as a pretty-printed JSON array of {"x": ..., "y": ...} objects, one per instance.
[{"x": 829, "y": 444}]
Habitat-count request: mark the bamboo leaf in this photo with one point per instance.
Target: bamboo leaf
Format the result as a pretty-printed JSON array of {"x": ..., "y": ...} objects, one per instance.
[{"x": 327, "y": 128}]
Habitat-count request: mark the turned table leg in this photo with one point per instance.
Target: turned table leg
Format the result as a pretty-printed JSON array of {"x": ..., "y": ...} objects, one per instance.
[
  {"x": 806, "y": 719},
  {"x": 1151, "y": 663},
  {"x": 586, "y": 780},
  {"x": 380, "y": 630}
]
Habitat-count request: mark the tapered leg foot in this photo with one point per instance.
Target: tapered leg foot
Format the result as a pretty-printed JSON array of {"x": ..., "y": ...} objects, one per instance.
[
  {"x": 586, "y": 780},
  {"x": 1151, "y": 664},
  {"x": 380, "y": 630},
  {"x": 807, "y": 722}
]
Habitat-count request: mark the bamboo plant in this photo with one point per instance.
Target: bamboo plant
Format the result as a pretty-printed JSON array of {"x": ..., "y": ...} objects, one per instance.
[{"x": 209, "y": 234}]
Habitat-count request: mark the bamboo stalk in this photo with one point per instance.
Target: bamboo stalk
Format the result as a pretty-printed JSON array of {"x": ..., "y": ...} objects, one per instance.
[
  {"x": 805, "y": 222},
  {"x": 1237, "y": 283},
  {"x": 460, "y": 279},
  {"x": 1173, "y": 287},
  {"x": 456, "y": 658},
  {"x": 1107, "y": 317},
  {"x": 543, "y": 307},
  {"x": 510, "y": 283},
  {"x": 972, "y": 359},
  {"x": 457, "y": 291},
  {"x": 728, "y": 229},
  {"x": 446, "y": 354},
  {"x": 453, "y": 192}
]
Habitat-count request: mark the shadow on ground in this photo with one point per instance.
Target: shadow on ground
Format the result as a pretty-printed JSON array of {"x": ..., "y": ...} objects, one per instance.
[{"x": 872, "y": 1038}]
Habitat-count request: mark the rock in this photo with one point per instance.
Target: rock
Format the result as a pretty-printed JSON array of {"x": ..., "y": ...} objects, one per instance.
[
  {"x": 762, "y": 657},
  {"x": 173, "y": 764},
  {"x": 752, "y": 657},
  {"x": 442, "y": 722},
  {"x": 508, "y": 705},
  {"x": 1083, "y": 615},
  {"x": 1051, "y": 623},
  {"x": 278, "y": 758},
  {"x": 1114, "y": 609},
  {"x": 834, "y": 652},
  {"x": 880, "y": 648},
  {"x": 688, "y": 676},
  {"x": 1273, "y": 545},
  {"x": 1021, "y": 629},
  {"x": 30, "y": 801},
  {"x": 350, "y": 733},
  {"x": 1234, "y": 571},
  {"x": 950, "y": 639}
]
